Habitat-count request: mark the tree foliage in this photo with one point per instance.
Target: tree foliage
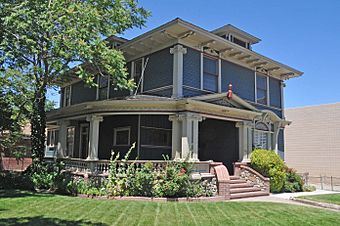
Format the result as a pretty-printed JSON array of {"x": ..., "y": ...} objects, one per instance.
[{"x": 42, "y": 39}]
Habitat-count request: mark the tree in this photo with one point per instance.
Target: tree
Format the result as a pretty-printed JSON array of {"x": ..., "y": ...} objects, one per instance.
[
  {"x": 14, "y": 109},
  {"x": 42, "y": 39}
]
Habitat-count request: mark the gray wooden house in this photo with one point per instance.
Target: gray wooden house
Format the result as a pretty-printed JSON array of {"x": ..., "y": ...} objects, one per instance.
[{"x": 202, "y": 94}]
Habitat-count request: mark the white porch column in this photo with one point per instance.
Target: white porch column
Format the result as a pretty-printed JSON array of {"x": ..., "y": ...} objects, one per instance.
[
  {"x": 176, "y": 136},
  {"x": 245, "y": 140},
  {"x": 185, "y": 135},
  {"x": 61, "y": 147},
  {"x": 275, "y": 138},
  {"x": 177, "y": 51},
  {"x": 93, "y": 136}
]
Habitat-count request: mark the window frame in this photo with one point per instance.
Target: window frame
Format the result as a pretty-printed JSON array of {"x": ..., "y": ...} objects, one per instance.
[
  {"x": 67, "y": 102},
  {"x": 119, "y": 129},
  {"x": 107, "y": 87},
  {"x": 218, "y": 72},
  {"x": 157, "y": 146},
  {"x": 70, "y": 153},
  {"x": 267, "y": 92},
  {"x": 49, "y": 134},
  {"x": 268, "y": 132}
]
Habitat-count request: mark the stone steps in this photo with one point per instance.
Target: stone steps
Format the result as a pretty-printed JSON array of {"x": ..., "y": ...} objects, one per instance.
[
  {"x": 244, "y": 190},
  {"x": 240, "y": 188}
]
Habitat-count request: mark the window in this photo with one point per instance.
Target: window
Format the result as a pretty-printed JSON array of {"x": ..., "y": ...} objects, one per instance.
[
  {"x": 67, "y": 96},
  {"x": 262, "y": 136},
  {"x": 261, "y": 89},
  {"x": 121, "y": 136},
  {"x": 152, "y": 136},
  {"x": 52, "y": 139},
  {"x": 137, "y": 73},
  {"x": 103, "y": 87},
  {"x": 70, "y": 141},
  {"x": 240, "y": 42},
  {"x": 210, "y": 74}
]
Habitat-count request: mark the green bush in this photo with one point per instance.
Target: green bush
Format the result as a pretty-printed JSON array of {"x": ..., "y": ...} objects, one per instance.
[
  {"x": 308, "y": 188},
  {"x": 46, "y": 175},
  {"x": 15, "y": 180},
  {"x": 294, "y": 182},
  {"x": 269, "y": 164}
]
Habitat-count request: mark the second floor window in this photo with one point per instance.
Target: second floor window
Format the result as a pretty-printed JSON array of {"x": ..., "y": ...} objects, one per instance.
[
  {"x": 210, "y": 74},
  {"x": 103, "y": 87},
  {"x": 261, "y": 89},
  {"x": 67, "y": 96}
]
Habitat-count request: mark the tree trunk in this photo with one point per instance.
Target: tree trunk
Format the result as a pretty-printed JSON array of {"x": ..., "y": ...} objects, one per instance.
[{"x": 38, "y": 124}]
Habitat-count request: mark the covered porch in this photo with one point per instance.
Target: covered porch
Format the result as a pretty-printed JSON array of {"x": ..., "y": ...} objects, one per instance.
[{"x": 211, "y": 128}]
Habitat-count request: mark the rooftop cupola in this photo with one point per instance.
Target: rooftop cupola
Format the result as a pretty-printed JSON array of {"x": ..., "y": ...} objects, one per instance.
[{"x": 236, "y": 36}]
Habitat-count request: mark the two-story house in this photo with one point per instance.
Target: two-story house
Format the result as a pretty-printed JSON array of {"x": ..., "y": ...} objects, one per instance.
[{"x": 202, "y": 94}]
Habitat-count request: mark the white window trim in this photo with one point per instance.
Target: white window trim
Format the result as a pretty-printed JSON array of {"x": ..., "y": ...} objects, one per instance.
[
  {"x": 119, "y": 129},
  {"x": 69, "y": 100},
  {"x": 219, "y": 72},
  {"x": 74, "y": 138},
  {"x": 108, "y": 87},
  {"x": 80, "y": 136},
  {"x": 268, "y": 89}
]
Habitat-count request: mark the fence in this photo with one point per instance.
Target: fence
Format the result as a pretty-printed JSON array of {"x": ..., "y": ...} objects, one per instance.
[{"x": 322, "y": 182}]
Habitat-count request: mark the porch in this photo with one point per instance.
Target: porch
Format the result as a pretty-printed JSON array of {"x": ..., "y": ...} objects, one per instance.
[{"x": 92, "y": 139}]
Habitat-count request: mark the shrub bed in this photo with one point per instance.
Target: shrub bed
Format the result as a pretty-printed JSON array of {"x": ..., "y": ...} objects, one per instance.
[{"x": 282, "y": 178}]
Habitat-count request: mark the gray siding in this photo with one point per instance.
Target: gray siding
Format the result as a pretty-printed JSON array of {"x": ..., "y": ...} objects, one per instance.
[
  {"x": 159, "y": 69},
  {"x": 242, "y": 79},
  {"x": 81, "y": 93},
  {"x": 275, "y": 92},
  {"x": 187, "y": 92},
  {"x": 163, "y": 93},
  {"x": 116, "y": 93},
  {"x": 276, "y": 111},
  {"x": 192, "y": 68}
]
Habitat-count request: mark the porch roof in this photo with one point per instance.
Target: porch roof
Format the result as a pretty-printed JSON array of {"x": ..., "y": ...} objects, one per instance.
[{"x": 234, "y": 109}]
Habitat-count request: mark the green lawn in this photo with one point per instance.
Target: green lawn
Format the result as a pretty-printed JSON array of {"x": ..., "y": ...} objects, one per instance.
[
  {"x": 330, "y": 198},
  {"x": 24, "y": 208}
]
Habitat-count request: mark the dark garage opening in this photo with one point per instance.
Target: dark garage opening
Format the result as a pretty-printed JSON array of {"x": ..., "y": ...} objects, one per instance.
[{"x": 218, "y": 141}]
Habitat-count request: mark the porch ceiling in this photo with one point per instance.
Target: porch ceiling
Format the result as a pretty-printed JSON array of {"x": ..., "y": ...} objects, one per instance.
[{"x": 179, "y": 31}]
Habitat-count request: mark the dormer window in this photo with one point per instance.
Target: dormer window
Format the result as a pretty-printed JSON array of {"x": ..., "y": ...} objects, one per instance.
[{"x": 238, "y": 41}]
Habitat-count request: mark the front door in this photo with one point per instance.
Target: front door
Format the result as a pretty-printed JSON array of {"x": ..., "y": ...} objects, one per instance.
[
  {"x": 84, "y": 141},
  {"x": 218, "y": 141}
]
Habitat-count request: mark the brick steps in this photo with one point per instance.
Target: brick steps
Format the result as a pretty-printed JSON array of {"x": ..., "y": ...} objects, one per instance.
[
  {"x": 247, "y": 194},
  {"x": 240, "y": 188},
  {"x": 244, "y": 190}
]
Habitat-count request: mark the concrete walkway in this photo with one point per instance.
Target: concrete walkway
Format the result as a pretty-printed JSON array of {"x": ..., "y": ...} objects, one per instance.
[{"x": 287, "y": 198}]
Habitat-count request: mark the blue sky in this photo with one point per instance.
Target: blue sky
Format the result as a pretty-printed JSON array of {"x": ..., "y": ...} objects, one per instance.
[{"x": 302, "y": 34}]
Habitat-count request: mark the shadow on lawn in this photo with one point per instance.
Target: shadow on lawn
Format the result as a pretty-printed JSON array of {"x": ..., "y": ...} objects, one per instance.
[
  {"x": 20, "y": 194},
  {"x": 40, "y": 220}
]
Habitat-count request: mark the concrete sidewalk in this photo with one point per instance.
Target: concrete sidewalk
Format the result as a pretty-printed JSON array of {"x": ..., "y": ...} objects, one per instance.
[{"x": 287, "y": 198}]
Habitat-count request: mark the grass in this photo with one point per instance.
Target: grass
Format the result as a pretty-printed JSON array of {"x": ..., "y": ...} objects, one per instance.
[
  {"x": 329, "y": 198},
  {"x": 26, "y": 208}
]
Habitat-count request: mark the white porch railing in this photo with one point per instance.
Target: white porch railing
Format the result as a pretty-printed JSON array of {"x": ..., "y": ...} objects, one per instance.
[{"x": 102, "y": 166}]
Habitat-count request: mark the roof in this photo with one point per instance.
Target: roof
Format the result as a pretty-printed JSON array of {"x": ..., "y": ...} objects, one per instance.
[
  {"x": 232, "y": 29},
  {"x": 183, "y": 32}
]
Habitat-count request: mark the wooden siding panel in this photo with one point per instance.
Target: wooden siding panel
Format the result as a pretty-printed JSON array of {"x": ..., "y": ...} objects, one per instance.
[
  {"x": 192, "y": 68},
  {"x": 80, "y": 93},
  {"x": 242, "y": 79}
]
